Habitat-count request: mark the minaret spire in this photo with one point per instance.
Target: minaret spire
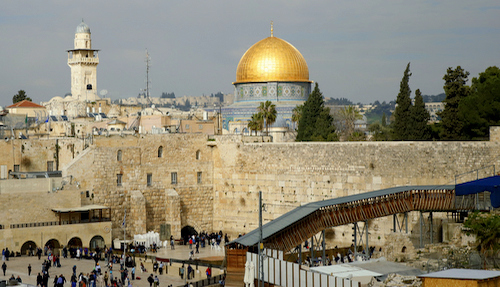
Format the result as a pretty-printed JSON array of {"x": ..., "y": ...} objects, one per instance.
[{"x": 272, "y": 29}]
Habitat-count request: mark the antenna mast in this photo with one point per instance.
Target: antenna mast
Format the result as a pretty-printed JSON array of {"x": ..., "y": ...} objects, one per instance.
[{"x": 148, "y": 62}]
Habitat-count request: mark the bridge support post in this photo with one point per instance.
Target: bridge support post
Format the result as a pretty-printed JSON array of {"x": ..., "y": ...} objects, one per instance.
[
  {"x": 312, "y": 249},
  {"x": 300, "y": 254},
  {"x": 363, "y": 231},
  {"x": 421, "y": 229},
  {"x": 431, "y": 226},
  {"x": 323, "y": 257},
  {"x": 398, "y": 226}
]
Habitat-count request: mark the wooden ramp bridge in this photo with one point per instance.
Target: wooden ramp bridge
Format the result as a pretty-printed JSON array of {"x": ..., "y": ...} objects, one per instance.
[{"x": 291, "y": 229}]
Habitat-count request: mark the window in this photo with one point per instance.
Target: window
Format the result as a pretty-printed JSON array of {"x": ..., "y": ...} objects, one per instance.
[
  {"x": 198, "y": 176},
  {"x": 173, "y": 177},
  {"x": 187, "y": 126},
  {"x": 150, "y": 179},
  {"x": 198, "y": 155},
  {"x": 16, "y": 168},
  {"x": 200, "y": 127},
  {"x": 119, "y": 155},
  {"x": 160, "y": 151},
  {"x": 50, "y": 166},
  {"x": 119, "y": 179}
]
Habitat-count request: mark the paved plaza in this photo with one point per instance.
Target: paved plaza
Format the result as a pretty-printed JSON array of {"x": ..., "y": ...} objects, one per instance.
[{"x": 19, "y": 266}]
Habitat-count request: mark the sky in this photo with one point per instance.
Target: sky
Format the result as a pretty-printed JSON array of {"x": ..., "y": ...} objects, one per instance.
[{"x": 354, "y": 49}]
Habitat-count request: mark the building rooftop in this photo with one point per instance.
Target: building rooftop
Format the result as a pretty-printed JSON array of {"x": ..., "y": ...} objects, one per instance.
[
  {"x": 25, "y": 104},
  {"x": 471, "y": 274}
]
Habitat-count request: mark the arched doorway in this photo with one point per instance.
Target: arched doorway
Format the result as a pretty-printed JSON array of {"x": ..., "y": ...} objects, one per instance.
[
  {"x": 53, "y": 246},
  {"x": 75, "y": 242},
  {"x": 28, "y": 248},
  {"x": 97, "y": 241},
  {"x": 187, "y": 231}
]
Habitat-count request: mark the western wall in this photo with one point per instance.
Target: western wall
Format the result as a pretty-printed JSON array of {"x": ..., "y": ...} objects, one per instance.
[{"x": 218, "y": 178}]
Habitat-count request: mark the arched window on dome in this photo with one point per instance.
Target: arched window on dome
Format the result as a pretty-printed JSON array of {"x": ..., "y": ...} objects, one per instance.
[
  {"x": 160, "y": 151},
  {"x": 119, "y": 155}
]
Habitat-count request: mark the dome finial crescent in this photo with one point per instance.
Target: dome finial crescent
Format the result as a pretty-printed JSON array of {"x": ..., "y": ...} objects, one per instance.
[{"x": 272, "y": 29}]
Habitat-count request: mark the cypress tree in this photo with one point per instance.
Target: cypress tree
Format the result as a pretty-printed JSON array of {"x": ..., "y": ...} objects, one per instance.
[
  {"x": 455, "y": 90},
  {"x": 402, "y": 115},
  {"x": 420, "y": 117},
  {"x": 315, "y": 123}
]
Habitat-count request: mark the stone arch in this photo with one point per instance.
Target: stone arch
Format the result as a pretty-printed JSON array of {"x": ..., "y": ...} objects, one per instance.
[
  {"x": 54, "y": 245},
  {"x": 97, "y": 241},
  {"x": 187, "y": 231},
  {"x": 75, "y": 242},
  {"x": 160, "y": 151},
  {"x": 119, "y": 155},
  {"x": 235, "y": 131},
  {"x": 25, "y": 248},
  {"x": 198, "y": 155},
  {"x": 245, "y": 131}
]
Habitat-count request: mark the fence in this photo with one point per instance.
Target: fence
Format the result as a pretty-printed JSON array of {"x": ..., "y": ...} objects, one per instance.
[{"x": 284, "y": 273}]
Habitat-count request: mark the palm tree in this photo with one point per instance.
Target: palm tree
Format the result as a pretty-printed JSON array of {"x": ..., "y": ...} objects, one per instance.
[
  {"x": 347, "y": 116},
  {"x": 296, "y": 113},
  {"x": 268, "y": 111},
  {"x": 255, "y": 123}
]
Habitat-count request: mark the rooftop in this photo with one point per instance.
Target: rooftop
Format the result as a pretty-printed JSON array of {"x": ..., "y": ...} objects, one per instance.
[{"x": 471, "y": 274}]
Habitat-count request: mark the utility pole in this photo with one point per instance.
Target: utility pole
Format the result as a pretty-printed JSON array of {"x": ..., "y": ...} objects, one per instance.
[{"x": 261, "y": 245}]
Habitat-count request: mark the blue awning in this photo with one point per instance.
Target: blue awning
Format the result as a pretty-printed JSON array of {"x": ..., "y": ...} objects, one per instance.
[{"x": 491, "y": 184}]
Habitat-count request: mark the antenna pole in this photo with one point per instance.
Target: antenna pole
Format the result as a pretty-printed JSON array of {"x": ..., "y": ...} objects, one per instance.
[{"x": 148, "y": 61}]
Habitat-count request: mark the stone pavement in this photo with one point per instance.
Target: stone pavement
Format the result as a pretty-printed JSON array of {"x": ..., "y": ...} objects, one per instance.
[{"x": 19, "y": 266}]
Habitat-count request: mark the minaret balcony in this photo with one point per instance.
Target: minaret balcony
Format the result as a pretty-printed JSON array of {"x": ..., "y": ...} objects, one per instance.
[{"x": 83, "y": 60}]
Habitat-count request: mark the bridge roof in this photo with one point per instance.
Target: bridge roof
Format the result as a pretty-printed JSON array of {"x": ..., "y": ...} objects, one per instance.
[{"x": 279, "y": 224}]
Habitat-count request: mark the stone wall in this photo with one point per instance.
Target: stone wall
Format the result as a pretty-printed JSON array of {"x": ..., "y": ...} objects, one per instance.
[
  {"x": 291, "y": 174},
  {"x": 33, "y": 154},
  {"x": 233, "y": 172},
  {"x": 185, "y": 155}
]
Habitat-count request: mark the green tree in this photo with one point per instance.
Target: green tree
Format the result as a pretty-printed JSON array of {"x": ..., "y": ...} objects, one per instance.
[
  {"x": 346, "y": 117},
  {"x": 268, "y": 112},
  {"x": 486, "y": 227},
  {"x": 20, "y": 96},
  {"x": 384, "y": 120},
  {"x": 379, "y": 132},
  {"x": 481, "y": 109},
  {"x": 402, "y": 115},
  {"x": 296, "y": 113},
  {"x": 316, "y": 123},
  {"x": 420, "y": 117},
  {"x": 256, "y": 123},
  {"x": 456, "y": 90}
]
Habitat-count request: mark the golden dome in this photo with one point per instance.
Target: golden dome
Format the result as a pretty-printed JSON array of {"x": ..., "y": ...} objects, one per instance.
[{"x": 272, "y": 59}]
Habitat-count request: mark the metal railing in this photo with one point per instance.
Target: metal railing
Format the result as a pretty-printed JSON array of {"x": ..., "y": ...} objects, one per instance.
[{"x": 53, "y": 223}]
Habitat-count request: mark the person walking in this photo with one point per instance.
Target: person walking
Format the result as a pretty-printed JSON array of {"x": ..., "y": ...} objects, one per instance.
[
  {"x": 156, "y": 281},
  {"x": 181, "y": 271},
  {"x": 209, "y": 272},
  {"x": 29, "y": 269},
  {"x": 150, "y": 280},
  {"x": 4, "y": 268}
]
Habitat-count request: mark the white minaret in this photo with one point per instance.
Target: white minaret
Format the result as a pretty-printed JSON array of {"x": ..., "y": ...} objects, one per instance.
[{"x": 83, "y": 62}]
